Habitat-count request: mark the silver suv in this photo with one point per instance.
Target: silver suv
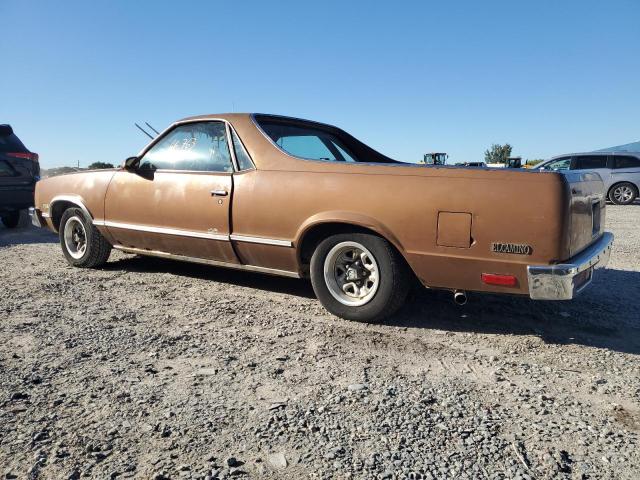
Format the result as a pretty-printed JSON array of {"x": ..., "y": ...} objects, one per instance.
[{"x": 620, "y": 172}]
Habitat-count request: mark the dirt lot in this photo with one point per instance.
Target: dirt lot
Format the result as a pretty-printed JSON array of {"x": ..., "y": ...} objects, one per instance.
[{"x": 155, "y": 369}]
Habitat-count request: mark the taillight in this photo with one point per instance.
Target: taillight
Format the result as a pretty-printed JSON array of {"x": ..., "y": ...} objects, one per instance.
[
  {"x": 26, "y": 155},
  {"x": 498, "y": 279}
]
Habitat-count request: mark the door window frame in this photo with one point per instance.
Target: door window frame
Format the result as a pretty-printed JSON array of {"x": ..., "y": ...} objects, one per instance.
[{"x": 173, "y": 126}]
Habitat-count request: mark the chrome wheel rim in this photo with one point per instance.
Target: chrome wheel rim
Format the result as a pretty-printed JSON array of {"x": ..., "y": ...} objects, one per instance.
[
  {"x": 351, "y": 274},
  {"x": 75, "y": 237},
  {"x": 623, "y": 194}
]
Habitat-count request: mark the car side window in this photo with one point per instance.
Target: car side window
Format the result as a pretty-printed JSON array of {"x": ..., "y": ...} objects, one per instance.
[
  {"x": 590, "y": 162},
  {"x": 306, "y": 146},
  {"x": 563, "y": 163},
  {"x": 626, "y": 161},
  {"x": 308, "y": 143},
  {"x": 244, "y": 161},
  {"x": 200, "y": 147}
]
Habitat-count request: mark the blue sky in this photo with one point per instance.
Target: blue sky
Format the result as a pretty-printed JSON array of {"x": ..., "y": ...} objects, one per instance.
[{"x": 405, "y": 77}]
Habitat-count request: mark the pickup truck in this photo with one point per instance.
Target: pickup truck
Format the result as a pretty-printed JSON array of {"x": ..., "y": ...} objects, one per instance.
[{"x": 293, "y": 197}]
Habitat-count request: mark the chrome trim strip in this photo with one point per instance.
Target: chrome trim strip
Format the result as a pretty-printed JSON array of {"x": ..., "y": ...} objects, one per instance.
[
  {"x": 555, "y": 282},
  {"x": 163, "y": 230},
  {"x": 71, "y": 199},
  {"x": 231, "y": 147},
  {"x": 243, "y": 147},
  {"x": 194, "y": 234},
  {"x": 204, "y": 261},
  {"x": 260, "y": 240}
]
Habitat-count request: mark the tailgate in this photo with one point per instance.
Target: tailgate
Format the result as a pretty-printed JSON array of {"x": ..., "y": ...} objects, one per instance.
[
  {"x": 17, "y": 171},
  {"x": 586, "y": 210}
]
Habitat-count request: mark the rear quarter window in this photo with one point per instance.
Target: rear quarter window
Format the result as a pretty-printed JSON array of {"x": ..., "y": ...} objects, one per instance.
[{"x": 626, "y": 161}]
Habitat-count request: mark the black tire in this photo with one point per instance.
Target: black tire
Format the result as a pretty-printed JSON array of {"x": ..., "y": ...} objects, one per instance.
[
  {"x": 96, "y": 248},
  {"x": 393, "y": 278},
  {"x": 11, "y": 219},
  {"x": 623, "y": 193}
]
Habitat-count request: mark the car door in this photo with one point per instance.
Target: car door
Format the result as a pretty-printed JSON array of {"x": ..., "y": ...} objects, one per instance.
[
  {"x": 593, "y": 163},
  {"x": 177, "y": 198},
  {"x": 626, "y": 168}
]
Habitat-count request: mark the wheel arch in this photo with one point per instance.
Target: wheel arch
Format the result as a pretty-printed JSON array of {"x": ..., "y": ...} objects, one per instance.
[
  {"x": 60, "y": 203},
  {"x": 319, "y": 227}
]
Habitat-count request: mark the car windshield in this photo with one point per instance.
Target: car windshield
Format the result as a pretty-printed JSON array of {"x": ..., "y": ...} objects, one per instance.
[{"x": 314, "y": 141}]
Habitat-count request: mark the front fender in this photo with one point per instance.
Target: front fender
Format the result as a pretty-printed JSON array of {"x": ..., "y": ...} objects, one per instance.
[{"x": 86, "y": 190}]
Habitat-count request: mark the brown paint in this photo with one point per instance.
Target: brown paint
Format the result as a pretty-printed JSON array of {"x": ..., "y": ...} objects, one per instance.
[
  {"x": 443, "y": 220},
  {"x": 454, "y": 229}
]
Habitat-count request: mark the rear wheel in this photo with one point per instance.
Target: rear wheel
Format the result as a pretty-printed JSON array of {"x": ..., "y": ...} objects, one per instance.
[
  {"x": 11, "y": 219},
  {"x": 359, "y": 276},
  {"x": 82, "y": 244},
  {"x": 623, "y": 193}
]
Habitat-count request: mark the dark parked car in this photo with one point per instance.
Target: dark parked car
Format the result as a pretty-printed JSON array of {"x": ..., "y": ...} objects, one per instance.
[{"x": 19, "y": 172}]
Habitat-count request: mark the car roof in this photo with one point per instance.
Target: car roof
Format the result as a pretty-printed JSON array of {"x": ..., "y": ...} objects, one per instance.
[
  {"x": 587, "y": 154},
  {"x": 232, "y": 116}
]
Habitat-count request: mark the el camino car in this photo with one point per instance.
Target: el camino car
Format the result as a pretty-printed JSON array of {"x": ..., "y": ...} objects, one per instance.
[{"x": 298, "y": 198}]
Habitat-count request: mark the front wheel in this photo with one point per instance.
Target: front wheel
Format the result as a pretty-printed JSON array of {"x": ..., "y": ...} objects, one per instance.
[
  {"x": 82, "y": 244},
  {"x": 11, "y": 219},
  {"x": 359, "y": 276},
  {"x": 623, "y": 193}
]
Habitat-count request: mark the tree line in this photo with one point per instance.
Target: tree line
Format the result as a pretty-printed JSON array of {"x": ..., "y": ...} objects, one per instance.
[{"x": 500, "y": 154}]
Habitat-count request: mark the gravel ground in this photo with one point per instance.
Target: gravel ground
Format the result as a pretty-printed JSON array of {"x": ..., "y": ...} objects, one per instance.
[{"x": 150, "y": 368}]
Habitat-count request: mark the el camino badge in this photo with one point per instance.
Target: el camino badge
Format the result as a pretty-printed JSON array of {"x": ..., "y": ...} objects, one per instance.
[{"x": 514, "y": 248}]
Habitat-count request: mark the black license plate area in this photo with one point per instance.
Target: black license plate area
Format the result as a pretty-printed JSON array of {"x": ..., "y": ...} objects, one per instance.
[
  {"x": 595, "y": 218},
  {"x": 582, "y": 279}
]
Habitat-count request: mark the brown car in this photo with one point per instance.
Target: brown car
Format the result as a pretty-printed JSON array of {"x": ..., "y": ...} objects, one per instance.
[{"x": 298, "y": 198}]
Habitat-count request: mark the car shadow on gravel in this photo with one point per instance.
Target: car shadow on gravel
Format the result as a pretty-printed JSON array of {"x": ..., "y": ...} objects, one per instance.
[
  {"x": 25, "y": 235},
  {"x": 606, "y": 315},
  {"x": 240, "y": 278},
  {"x": 636, "y": 203}
]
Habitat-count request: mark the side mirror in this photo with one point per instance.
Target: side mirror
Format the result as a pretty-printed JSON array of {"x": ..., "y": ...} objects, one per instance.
[{"x": 130, "y": 163}]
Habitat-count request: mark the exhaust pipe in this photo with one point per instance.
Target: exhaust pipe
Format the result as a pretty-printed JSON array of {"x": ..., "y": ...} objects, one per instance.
[{"x": 460, "y": 297}]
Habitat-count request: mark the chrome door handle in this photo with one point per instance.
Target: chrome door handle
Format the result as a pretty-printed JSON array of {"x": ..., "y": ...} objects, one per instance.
[{"x": 219, "y": 193}]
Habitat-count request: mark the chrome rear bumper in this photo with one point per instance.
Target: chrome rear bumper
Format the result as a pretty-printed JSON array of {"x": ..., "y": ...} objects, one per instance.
[
  {"x": 36, "y": 219},
  {"x": 564, "y": 281}
]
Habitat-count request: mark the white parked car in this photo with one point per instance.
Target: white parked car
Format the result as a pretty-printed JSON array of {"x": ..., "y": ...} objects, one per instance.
[{"x": 620, "y": 172}]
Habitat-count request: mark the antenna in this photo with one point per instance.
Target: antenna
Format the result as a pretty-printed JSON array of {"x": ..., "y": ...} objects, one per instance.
[
  {"x": 157, "y": 132},
  {"x": 144, "y": 131}
]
